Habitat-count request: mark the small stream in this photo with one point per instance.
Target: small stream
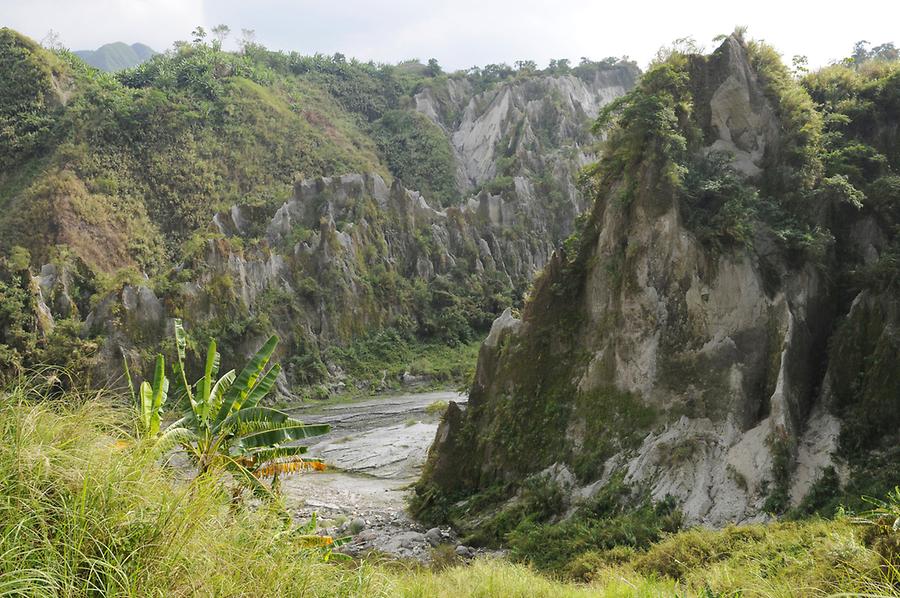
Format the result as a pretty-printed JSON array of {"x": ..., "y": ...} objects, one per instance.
[{"x": 375, "y": 452}]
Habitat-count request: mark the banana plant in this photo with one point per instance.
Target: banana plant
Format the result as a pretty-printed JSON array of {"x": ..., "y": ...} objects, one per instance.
[
  {"x": 225, "y": 427},
  {"x": 150, "y": 399}
]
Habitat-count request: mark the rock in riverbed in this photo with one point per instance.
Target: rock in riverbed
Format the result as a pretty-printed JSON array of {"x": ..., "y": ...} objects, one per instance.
[
  {"x": 434, "y": 536},
  {"x": 464, "y": 552}
]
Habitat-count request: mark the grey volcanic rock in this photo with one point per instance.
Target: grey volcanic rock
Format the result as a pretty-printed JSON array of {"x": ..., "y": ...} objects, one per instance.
[
  {"x": 550, "y": 112},
  {"x": 505, "y": 324},
  {"x": 532, "y": 135},
  {"x": 695, "y": 373},
  {"x": 743, "y": 120},
  {"x": 434, "y": 536},
  {"x": 54, "y": 285}
]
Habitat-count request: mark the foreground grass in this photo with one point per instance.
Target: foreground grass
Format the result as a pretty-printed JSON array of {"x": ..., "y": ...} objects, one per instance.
[{"x": 84, "y": 510}]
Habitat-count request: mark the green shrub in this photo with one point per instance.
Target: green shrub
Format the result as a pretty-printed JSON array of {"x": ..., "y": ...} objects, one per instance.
[
  {"x": 779, "y": 498},
  {"x": 419, "y": 154},
  {"x": 822, "y": 497},
  {"x": 436, "y": 408},
  {"x": 500, "y": 185},
  {"x": 18, "y": 325},
  {"x": 822, "y": 557},
  {"x": 613, "y": 519},
  {"x": 719, "y": 205}
]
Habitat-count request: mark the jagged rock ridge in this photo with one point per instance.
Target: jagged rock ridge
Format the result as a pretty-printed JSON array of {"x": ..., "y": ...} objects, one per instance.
[
  {"x": 322, "y": 258},
  {"x": 526, "y": 115},
  {"x": 695, "y": 372}
]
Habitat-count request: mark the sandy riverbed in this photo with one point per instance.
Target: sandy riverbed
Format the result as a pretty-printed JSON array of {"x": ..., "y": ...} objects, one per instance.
[{"x": 375, "y": 452}]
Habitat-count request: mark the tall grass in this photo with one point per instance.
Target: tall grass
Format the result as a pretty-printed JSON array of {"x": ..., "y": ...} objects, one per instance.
[{"x": 85, "y": 510}]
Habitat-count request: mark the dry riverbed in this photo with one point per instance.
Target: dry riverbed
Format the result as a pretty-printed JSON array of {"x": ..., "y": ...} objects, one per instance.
[{"x": 375, "y": 452}]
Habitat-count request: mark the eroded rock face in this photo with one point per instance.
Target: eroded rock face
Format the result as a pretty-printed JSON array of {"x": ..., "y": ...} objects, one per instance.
[
  {"x": 356, "y": 222},
  {"x": 524, "y": 119},
  {"x": 741, "y": 120},
  {"x": 702, "y": 338},
  {"x": 319, "y": 269},
  {"x": 533, "y": 131},
  {"x": 321, "y": 251},
  {"x": 696, "y": 373}
]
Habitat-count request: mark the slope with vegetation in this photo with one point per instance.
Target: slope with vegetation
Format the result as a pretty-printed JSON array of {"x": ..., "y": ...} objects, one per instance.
[
  {"x": 152, "y": 193},
  {"x": 719, "y": 337}
]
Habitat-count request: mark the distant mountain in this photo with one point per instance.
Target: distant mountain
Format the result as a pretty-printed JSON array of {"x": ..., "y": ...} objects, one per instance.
[{"x": 116, "y": 56}]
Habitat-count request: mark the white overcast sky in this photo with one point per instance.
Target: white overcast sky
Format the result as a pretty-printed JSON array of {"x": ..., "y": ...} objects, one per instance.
[{"x": 463, "y": 33}]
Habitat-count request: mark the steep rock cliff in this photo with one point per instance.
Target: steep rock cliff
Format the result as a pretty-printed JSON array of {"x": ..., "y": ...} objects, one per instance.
[
  {"x": 694, "y": 363},
  {"x": 514, "y": 119},
  {"x": 345, "y": 256},
  {"x": 530, "y": 136}
]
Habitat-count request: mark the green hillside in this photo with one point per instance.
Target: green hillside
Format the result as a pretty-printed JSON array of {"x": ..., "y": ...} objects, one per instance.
[
  {"x": 143, "y": 158},
  {"x": 116, "y": 180}
]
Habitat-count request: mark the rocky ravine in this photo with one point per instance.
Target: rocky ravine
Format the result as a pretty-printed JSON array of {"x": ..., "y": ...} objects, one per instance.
[
  {"x": 322, "y": 268},
  {"x": 374, "y": 452},
  {"x": 698, "y": 373},
  {"x": 319, "y": 255}
]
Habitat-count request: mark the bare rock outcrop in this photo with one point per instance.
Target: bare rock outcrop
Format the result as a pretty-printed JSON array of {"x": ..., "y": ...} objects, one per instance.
[{"x": 695, "y": 372}]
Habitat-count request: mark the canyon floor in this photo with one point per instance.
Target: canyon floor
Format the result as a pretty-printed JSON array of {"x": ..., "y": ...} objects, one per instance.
[{"x": 375, "y": 452}]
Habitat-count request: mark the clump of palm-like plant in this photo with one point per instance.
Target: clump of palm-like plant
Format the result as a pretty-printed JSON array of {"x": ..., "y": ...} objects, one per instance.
[
  {"x": 149, "y": 399},
  {"x": 882, "y": 534},
  {"x": 224, "y": 426}
]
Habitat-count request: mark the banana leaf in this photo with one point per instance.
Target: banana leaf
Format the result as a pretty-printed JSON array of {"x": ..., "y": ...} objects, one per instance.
[
  {"x": 205, "y": 385},
  {"x": 285, "y": 433},
  {"x": 183, "y": 388},
  {"x": 172, "y": 438},
  {"x": 252, "y": 419},
  {"x": 244, "y": 477},
  {"x": 262, "y": 388},
  {"x": 261, "y": 456},
  {"x": 246, "y": 380},
  {"x": 160, "y": 392}
]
